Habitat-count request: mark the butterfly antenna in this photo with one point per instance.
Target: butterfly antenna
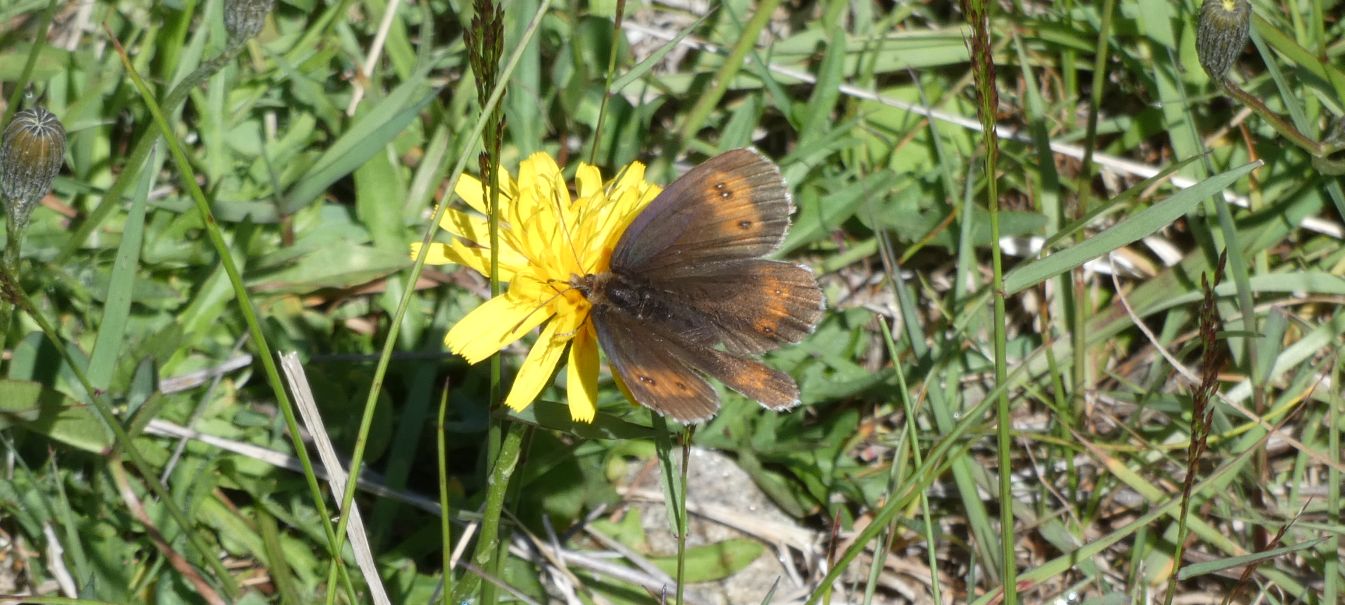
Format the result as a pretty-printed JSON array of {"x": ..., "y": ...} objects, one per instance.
[
  {"x": 569, "y": 238},
  {"x": 608, "y": 189}
]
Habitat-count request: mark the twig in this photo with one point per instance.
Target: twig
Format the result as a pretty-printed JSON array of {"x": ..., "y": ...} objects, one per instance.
[
  {"x": 336, "y": 475},
  {"x": 375, "y": 52},
  {"x": 368, "y": 482},
  {"x": 644, "y": 564},
  {"x": 196, "y": 415},
  {"x": 56, "y": 562},
  {"x": 174, "y": 558},
  {"x": 192, "y": 380}
]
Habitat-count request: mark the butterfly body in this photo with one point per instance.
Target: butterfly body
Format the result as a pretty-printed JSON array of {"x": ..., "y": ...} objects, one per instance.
[{"x": 688, "y": 293}]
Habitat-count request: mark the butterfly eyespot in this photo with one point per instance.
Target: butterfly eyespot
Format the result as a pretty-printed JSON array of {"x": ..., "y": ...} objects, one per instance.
[
  {"x": 726, "y": 194},
  {"x": 682, "y": 385},
  {"x": 647, "y": 380},
  {"x": 744, "y": 225},
  {"x": 778, "y": 292}
]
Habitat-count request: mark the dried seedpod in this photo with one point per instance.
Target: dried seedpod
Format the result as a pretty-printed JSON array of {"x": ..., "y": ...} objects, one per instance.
[
  {"x": 244, "y": 19},
  {"x": 31, "y": 155},
  {"x": 1222, "y": 34}
]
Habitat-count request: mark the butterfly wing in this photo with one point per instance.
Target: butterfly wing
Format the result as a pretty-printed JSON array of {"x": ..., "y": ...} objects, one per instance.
[
  {"x": 733, "y": 206},
  {"x": 651, "y": 364},
  {"x": 750, "y": 306},
  {"x": 769, "y": 386},
  {"x": 661, "y": 370},
  {"x": 690, "y": 278}
]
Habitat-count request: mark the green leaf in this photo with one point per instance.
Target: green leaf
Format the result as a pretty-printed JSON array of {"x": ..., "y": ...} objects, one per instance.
[
  {"x": 819, "y": 215},
  {"x": 379, "y": 195},
  {"x": 656, "y": 57},
  {"x": 1209, "y": 567},
  {"x": 1142, "y": 224},
  {"x": 117, "y": 308},
  {"x": 51, "y": 61},
  {"x": 819, "y": 110},
  {"x": 556, "y": 417},
  {"x": 49, "y": 413},
  {"x": 367, "y": 136},
  {"x": 330, "y": 268},
  {"x": 18, "y": 400},
  {"x": 711, "y": 562}
]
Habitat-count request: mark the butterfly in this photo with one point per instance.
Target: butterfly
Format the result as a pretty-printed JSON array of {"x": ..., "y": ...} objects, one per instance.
[{"x": 688, "y": 294}]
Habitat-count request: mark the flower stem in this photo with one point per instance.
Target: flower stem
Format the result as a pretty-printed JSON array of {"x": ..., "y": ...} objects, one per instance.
[
  {"x": 983, "y": 71},
  {"x": 112, "y": 197},
  {"x": 9, "y": 271},
  {"x": 1321, "y": 150},
  {"x": 122, "y": 443},
  {"x": 488, "y": 541},
  {"x": 682, "y": 513},
  {"x": 445, "y": 524}
]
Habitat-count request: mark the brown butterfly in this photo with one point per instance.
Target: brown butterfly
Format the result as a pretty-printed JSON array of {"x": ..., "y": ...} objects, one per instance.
[{"x": 688, "y": 293}]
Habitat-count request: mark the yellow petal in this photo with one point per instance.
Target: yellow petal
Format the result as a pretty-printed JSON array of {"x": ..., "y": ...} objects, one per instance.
[
  {"x": 472, "y": 257},
  {"x": 543, "y": 195},
  {"x": 491, "y": 326},
  {"x": 535, "y": 238},
  {"x": 478, "y": 258},
  {"x": 539, "y": 170},
  {"x": 581, "y": 378},
  {"x": 527, "y": 287},
  {"x": 470, "y": 190},
  {"x": 588, "y": 181},
  {"x": 467, "y": 226},
  {"x": 438, "y": 254},
  {"x": 573, "y": 315},
  {"x": 621, "y": 386},
  {"x": 630, "y": 177},
  {"x": 537, "y": 369}
]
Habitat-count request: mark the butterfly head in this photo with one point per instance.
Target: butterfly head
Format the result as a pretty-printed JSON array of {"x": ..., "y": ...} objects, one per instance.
[{"x": 593, "y": 286}]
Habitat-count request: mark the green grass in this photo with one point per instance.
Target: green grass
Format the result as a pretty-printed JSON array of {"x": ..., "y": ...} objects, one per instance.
[{"x": 219, "y": 206}]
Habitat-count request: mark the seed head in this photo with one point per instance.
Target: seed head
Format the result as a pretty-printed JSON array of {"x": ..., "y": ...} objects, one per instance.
[
  {"x": 31, "y": 155},
  {"x": 1222, "y": 34},
  {"x": 243, "y": 19}
]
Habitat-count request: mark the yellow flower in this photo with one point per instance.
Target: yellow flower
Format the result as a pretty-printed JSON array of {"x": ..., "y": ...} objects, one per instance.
[{"x": 546, "y": 238}]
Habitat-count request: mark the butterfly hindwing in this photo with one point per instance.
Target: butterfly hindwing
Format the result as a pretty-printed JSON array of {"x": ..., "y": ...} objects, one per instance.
[
  {"x": 662, "y": 371},
  {"x": 749, "y": 306},
  {"x": 755, "y": 380},
  {"x": 652, "y": 369}
]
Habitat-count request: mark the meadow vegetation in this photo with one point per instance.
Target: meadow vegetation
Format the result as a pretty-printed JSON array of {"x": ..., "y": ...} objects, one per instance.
[{"x": 1083, "y": 266}]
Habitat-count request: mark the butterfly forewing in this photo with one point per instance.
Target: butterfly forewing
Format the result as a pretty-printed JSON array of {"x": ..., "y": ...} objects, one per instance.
[{"x": 733, "y": 206}]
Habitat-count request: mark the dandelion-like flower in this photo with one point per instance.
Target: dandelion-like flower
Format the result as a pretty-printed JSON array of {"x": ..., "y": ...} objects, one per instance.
[{"x": 547, "y": 237}]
